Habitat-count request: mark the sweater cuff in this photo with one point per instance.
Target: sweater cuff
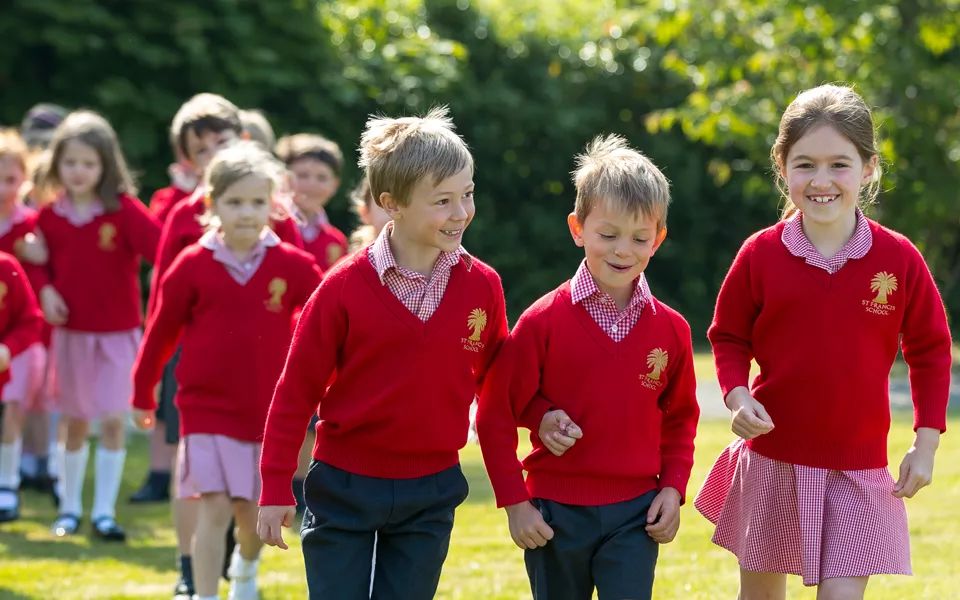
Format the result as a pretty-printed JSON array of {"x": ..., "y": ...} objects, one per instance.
[
  {"x": 676, "y": 481},
  {"x": 144, "y": 401},
  {"x": 509, "y": 488},
  {"x": 533, "y": 413},
  {"x": 277, "y": 491}
]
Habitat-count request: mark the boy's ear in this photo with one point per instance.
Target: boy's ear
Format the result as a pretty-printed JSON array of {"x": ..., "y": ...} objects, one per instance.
[
  {"x": 389, "y": 205},
  {"x": 661, "y": 235},
  {"x": 576, "y": 229}
]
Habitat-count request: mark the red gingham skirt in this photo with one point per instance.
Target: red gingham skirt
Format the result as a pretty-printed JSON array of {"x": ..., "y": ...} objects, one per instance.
[{"x": 777, "y": 517}]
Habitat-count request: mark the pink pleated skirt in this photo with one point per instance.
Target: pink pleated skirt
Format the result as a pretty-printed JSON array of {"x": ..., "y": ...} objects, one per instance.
[
  {"x": 28, "y": 371},
  {"x": 211, "y": 463},
  {"x": 777, "y": 517}
]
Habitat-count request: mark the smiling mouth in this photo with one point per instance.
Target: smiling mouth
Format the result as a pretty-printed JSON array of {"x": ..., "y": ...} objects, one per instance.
[
  {"x": 619, "y": 268},
  {"x": 823, "y": 199},
  {"x": 452, "y": 232}
]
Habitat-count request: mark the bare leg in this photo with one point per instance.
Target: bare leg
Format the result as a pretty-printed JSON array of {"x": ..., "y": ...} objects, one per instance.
[
  {"x": 208, "y": 543},
  {"x": 762, "y": 586},
  {"x": 13, "y": 421},
  {"x": 162, "y": 454},
  {"x": 842, "y": 588},
  {"x": 245, "y": 513}
]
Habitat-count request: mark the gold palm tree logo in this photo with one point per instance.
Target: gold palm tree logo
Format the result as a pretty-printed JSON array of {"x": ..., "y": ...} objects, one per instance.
[
  {"x": 657, "y": 361},
  {"x": 3, "y": 293},
  {"x": 883, "y": 283},
  {"x": 277, "y": 288},
  {"x": 476, "y": 321},
  {"x": 107, "y": 232}
]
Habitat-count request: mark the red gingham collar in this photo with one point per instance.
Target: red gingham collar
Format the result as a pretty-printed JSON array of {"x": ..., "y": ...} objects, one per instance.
[
  {"x": 383, "y": 260},
  {"x": 583, "y": 286},
  {"x": 799, "y": 245}
]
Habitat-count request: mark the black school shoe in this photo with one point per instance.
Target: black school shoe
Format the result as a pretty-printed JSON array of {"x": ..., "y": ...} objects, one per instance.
[
  {"x": 66, "y": 524},
  {"x": 155, "y": 489},
  {"x": 106, "y": 529},
  {"x": 12, "y": 513},
  {"x": 184, "y": 589}
]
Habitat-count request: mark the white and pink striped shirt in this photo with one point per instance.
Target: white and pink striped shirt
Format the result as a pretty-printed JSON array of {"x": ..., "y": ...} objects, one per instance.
[
  {"x": 799, "y": 245},
  {"x": 420, "y": 294},
  {"x": 616, "y": 323}
]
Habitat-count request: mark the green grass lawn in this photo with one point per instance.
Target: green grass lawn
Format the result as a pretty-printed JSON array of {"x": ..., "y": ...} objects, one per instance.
[{"x": 483, "y": 563}]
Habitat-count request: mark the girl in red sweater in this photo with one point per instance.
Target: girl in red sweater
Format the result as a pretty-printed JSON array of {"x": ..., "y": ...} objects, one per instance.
[
  {"x": 229, "y": 300},
  {"x": 823, "y": 301},
  {"x": 96, "y": 231}
]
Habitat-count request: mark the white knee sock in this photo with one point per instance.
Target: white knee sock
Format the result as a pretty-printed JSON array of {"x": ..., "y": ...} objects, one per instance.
[
  {"x": 53, "y": 463},
  {"x": 73, "y": 469},
  {"x": 28, "y": 463},
  {"x": 10, "y": 464},
  {"x": 107, "y": 477}
]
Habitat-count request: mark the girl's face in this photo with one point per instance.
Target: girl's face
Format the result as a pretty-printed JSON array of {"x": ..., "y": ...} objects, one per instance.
[
  {"x": 244, "y": 210},
  {"x": 79, "y": 168},
  {"x": 824, "y": 174},
  {"x": 314, "y": 183},
  {"x": 11, "y": 179}
]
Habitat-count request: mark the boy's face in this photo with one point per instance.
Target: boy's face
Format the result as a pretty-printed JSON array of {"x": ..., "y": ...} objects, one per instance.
[
  {"x": 314, "y": 183},
  {"x": 618, "y": 246},
  {"x": 436, "y": 215},
  {"x": 201, "y": 147}
]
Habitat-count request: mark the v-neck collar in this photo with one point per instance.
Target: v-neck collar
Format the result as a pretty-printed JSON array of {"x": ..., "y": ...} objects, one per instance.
[{"x": 593, "y": 328}]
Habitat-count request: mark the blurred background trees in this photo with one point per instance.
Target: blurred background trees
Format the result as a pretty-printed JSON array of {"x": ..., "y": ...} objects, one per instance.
[{"x": 697, "y": 85}]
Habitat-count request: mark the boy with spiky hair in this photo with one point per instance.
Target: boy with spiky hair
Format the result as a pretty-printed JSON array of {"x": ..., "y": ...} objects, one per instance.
[
  {"x": 389, "y": 353},
  {"x": 602, "y": 372}
]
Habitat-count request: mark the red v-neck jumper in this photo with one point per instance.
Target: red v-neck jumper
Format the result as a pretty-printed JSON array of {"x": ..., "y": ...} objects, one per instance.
[
  {"x": 398, "y": 405},
  {"x": 635, "y": 401},
  {"x": 234, "y": 338},
  {"x": 825, "y": 345}
]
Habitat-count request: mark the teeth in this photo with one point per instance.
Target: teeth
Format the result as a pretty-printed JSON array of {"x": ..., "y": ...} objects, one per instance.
[
  {"x": 822, "y": 199},
  {"x": 451, "y": 231}
]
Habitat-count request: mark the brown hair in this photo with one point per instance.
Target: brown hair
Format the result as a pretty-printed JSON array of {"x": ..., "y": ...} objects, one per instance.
[
  {"x": 88, "y": 127},
  {"x": 257, "y": 126},
  {"x": 839, "y": 107},
  {"x": 239, "y": 160},
  {"x": 361, "y": 198},
  {"x": 397, "y": 153},
  {"x": 609, "y": 170},
  {"x": 299, "y": 146},
  {"x": 201, "y": 113}
]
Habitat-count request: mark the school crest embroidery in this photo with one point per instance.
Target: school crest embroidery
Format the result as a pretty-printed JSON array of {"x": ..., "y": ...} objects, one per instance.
[
  {"x": 334, "y": 252},
  {"x": 476, "y": 322},
  {"x": 3, "y": 294},
  {"x": 277, "y": 288},
  {"x": 108, "y": 234},
  {"x": 883, "y": 285},
  {"x": 657, "y": 361}
]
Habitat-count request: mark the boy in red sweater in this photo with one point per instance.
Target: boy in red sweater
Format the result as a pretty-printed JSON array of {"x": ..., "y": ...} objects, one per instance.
[
  {"x": 389, "y": 353},
  {"x": 604, "y": 373}
]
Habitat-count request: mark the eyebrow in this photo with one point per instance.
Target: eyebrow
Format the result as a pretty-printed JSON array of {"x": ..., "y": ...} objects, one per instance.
[
  {"x": 453, "y": 191},
  {"x": 834, "y": 157}
]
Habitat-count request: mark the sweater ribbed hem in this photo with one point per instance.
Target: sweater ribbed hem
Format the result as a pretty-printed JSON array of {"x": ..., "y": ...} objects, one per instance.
[
  {"x": 587, "y": 491},
  {"x": 371, "y": 462},
  {"x": 837, "y": 456}
]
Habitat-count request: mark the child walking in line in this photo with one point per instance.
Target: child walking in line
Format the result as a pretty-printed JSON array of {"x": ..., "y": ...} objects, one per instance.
[
  {"x": 388, "y": 353},
  {"x": 95, "y": 231},
  {"x": 229, "y": 300},
  {"x": 602, "y": 373},
  {"x": 823, "y": 301},
  {"x": 372, "y": 218}
]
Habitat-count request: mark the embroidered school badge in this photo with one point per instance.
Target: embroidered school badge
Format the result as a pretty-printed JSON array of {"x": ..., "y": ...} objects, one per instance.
[
  {"x": 3, "y": 294},
  {"x": 108, "y": 234},
  {"x": 883, "y": 285},
  {"x": 657, "y": 361},
  {"x": 334, "y": 253},
  {"x": 476, "y": 322},
  {"x": 277, "y": 288}
]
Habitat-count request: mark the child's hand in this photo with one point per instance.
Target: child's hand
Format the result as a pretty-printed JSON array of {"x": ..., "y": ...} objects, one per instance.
[
  {"x": 527, "y": 527},
  {"x": 558, "y": 432},
  {"x": 55, "y": 310},
  {"x": 271, "y": 521},
  {"x": 749, "y": 418},
  {"x": 663, "y": 518},
  {"x": 916, "y": 469},
  {"x": 31, "y": 249},
  {"x": 4, "y": 357},
  {"x": 144, "y": 419}
]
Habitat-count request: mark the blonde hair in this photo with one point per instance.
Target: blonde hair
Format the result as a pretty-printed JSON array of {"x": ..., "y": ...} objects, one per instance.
[
  {"x": 201, "y": 113},
  {"x": 609, "y": 170},
  {"x": 91, "y": 129},
  {"x": 839, "y": 107},
  {"x": 361, "y": 198},
  {"x": 257, "y": 126},
  {"x": 239, "y": 160},
  {"x": 397, "y": 153},
  {"x": 292, "y": 148},
  {"x": 13, "y": 146}
]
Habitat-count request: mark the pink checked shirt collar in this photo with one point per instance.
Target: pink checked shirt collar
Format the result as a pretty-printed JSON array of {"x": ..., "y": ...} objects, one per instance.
[
  {"x": 582, "y": 286},
  {"x": 310, "y": 227},
  {"x": 19, "y": 214},
  {"x": 241, "y": 271},
  {"x": 64, "y": 207},
  {"x": 799, "y": 245},
  {"x": 383, "y": 260}
]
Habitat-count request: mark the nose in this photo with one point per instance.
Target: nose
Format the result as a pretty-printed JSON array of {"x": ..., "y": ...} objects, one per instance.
[
  {"x": 459, "y": 212},
  {"x": 821, "y": 179}
]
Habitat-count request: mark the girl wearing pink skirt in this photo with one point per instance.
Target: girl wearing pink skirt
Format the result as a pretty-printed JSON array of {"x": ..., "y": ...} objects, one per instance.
[
  {"x": 229, "y": 300},
  {"x": 823, "y": 301},
  {"x": 96, "y": 232}
]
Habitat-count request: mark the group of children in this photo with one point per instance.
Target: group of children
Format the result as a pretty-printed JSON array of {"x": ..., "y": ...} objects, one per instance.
[{"x": 385, "y": 344}]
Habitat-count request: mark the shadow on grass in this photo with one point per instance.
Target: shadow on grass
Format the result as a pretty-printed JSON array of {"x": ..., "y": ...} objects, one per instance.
[
  {"x": 82, "y": 547},
  {"x": 8, "y": 594}
]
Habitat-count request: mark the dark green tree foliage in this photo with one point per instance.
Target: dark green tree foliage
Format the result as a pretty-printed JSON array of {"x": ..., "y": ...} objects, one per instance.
[{"x": 698, "y": 86}]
